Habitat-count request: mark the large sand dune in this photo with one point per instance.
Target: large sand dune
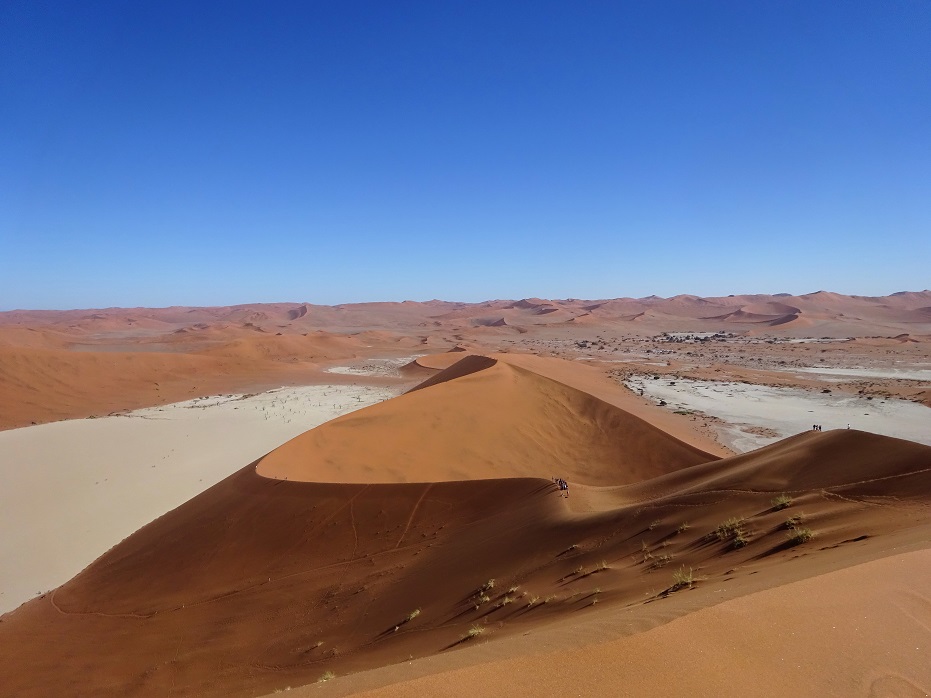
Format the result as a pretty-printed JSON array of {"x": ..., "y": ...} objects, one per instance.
[
  {"x": 483, "y": 418},
  {"x": 261, "y": 583}
]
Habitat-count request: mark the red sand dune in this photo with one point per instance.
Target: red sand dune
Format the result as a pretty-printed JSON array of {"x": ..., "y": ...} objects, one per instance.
[{"x": 261, "y": 583}]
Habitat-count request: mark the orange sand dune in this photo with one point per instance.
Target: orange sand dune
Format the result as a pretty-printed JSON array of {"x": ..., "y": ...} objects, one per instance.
[
  {"x": 424, "y": 367},
  {"x": 438, "y": 362},
  {"x": 770, "y": 313},
  {"x": 314, "y": 346},
  {"x": 41, "y": 385},
  {"x": 592, "y": 381},
  {"x": 259, "y": 583},
  {"x": 47, "y": 381},
  {"x": 483, "y": 418},
  {"x": 458, "y": 366}
]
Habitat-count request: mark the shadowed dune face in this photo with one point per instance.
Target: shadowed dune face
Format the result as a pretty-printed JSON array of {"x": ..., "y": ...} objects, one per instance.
[
  {"x": 483, "y": 418},
  {"x": 459, "y": 368}
]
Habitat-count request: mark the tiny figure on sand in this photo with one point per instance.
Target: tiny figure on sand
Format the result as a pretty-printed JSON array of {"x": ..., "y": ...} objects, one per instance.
[{"x": 563, "y": 485}]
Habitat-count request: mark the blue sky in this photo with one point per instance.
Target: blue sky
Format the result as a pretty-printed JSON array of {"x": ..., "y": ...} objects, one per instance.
[{"x": 157, "y": 153}]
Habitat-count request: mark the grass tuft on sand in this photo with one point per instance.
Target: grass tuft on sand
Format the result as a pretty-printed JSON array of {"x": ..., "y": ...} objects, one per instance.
[
  {"x": 682, "y": 578},
  {"x": 474, "y": 632}
]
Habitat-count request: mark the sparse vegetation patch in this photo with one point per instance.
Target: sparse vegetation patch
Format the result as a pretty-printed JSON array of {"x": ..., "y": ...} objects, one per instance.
[
  {"x": 732, "y": 531},
  {"x": 726, "y": 530}
]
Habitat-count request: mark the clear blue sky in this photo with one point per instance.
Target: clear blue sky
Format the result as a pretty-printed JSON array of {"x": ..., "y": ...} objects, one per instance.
[{"x": 156, "y": 153}]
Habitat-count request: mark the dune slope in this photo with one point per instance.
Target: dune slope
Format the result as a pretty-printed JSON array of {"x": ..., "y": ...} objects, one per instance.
[{"x": 789, "y": 642}]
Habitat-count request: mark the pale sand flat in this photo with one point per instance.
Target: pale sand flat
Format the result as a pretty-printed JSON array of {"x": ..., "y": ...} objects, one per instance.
[
  {"x": 73, "y": 489},
  {"x": 786, "y": 411}
]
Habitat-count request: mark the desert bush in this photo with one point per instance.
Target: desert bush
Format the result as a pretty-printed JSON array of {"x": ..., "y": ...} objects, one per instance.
[
  {"x": 783, "y": 501},
  {"x": 800, "y": 535}
]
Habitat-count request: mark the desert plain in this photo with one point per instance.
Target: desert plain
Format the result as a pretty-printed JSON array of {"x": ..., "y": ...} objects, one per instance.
[{"x": 360, "y": 499}]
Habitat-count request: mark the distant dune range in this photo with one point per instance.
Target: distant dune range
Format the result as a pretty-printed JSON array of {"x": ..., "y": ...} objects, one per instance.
[
  {"x": 428, "y": 523},
  {"x": 79, "y": 363}
]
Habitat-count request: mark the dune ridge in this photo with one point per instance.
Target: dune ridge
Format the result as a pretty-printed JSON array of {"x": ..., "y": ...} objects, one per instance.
[{"x": 484, "y": 418}]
